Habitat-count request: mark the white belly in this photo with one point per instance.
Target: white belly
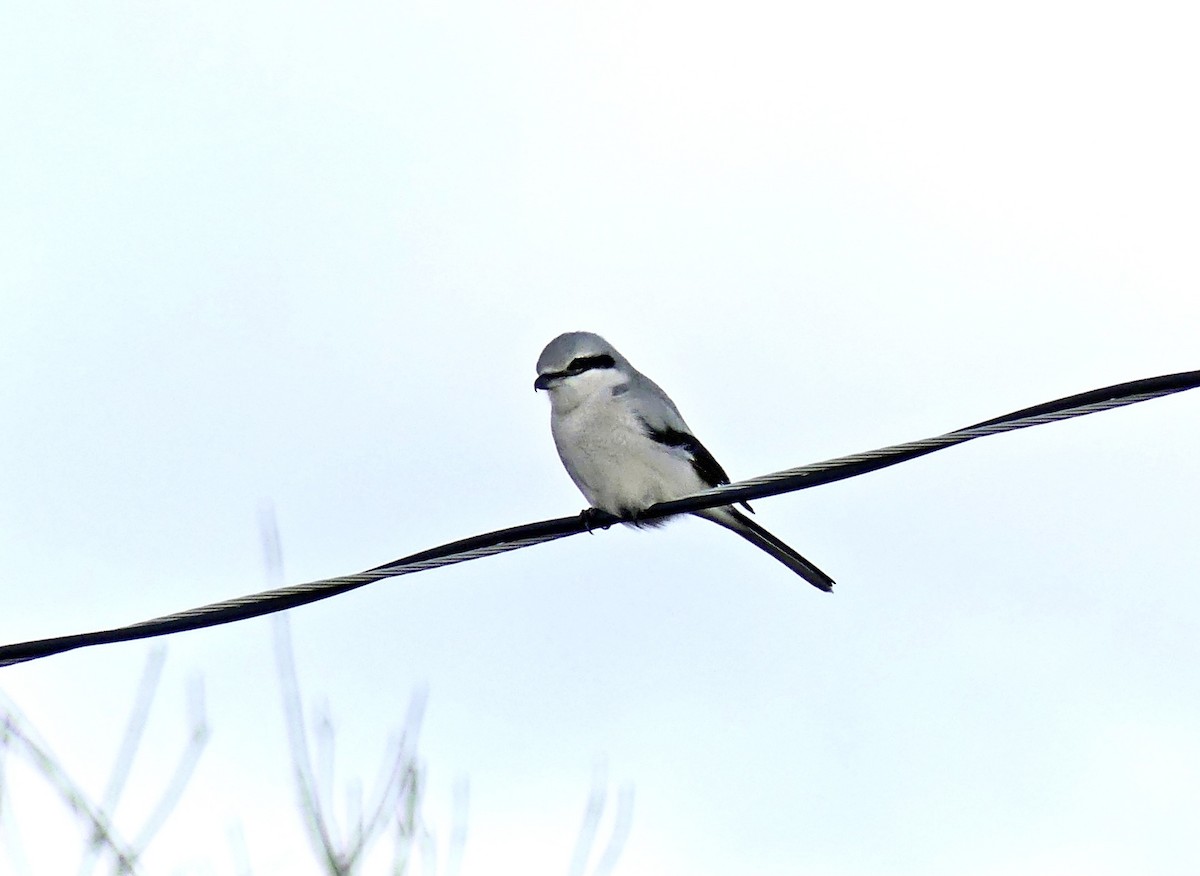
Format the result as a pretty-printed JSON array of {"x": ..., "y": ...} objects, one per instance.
[{"x": 616, "y": 466}]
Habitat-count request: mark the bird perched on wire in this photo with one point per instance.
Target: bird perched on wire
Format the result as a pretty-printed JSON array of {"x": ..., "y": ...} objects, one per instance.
[{"x": 626, "y": 447}]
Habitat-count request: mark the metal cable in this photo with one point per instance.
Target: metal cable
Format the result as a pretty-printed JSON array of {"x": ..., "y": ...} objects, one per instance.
[{"x": 514, "y": 538}]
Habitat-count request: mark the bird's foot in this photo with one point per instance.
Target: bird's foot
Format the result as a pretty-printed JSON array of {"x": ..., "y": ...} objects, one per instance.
[
  {"x": 591, "y": 518},
  {"x": 635, "y": 517}
]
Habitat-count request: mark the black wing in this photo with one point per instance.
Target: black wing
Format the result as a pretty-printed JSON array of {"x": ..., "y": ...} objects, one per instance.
[{"x": 706, "y": 466}]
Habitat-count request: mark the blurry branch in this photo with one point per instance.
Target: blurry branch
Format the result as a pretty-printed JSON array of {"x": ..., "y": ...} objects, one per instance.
[
  {"x": 396, "y": 799},
  {"x": 18, "y": 736},
  {"x": 136, "y": 723},
  {"x": 238, "y": 850},
  {"x": 397, "y": 796},
  {"x": 458, "y": 828},
  {"x": 401, "y": 789},
  {"x": 622, "y": 822},
  {"x": 7, "y": 825},
  {"x": 197, "y": 739},
  {"x": 140, "y": 713}
]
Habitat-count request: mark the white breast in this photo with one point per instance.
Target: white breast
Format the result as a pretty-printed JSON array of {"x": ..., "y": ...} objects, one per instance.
[{"x": 616, "y": 466}]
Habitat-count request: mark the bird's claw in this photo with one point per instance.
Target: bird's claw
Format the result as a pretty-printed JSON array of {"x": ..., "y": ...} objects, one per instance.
[{"x": 591, "y": 519}]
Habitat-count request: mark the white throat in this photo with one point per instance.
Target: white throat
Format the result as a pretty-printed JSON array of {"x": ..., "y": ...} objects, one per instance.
[{"x": 597, "y": 384}]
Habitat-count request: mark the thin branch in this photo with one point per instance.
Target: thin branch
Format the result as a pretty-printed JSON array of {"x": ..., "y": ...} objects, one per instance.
[
  {"x": 197, "y": 740},
  {"x": 622, "y": 823},
  {"x": 134, "y": 728},
  {"x": 306, "y": 783},
  {"x": 20, "y": 736},
  {"x": 591, "y": 824}
]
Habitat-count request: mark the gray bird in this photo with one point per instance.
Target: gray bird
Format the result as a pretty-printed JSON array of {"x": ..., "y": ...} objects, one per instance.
[{"x": 626, "y": 447}]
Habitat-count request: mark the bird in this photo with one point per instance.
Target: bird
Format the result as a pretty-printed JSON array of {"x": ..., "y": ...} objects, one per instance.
[{"x": 626, "y": 446}]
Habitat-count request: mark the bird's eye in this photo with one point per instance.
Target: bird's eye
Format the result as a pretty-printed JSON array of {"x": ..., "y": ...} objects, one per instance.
[{"x": 587, "y": 363}]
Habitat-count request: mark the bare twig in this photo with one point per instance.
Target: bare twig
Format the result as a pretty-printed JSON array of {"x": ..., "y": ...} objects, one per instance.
[
  {"x": 197, "y": 740},
  {"x": 19, "y": 736},
  {"x": 591, "y": 824},
  {"x": 135, "y": 726}
]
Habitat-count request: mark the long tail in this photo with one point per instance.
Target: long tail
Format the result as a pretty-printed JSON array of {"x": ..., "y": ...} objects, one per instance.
[{"x": 738, "y": 522}]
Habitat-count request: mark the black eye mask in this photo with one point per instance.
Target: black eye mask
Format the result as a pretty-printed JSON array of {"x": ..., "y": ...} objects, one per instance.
[{"x": 581, "y": 364}]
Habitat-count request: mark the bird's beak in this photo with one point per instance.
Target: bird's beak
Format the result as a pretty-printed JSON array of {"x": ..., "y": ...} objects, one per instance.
[{"x": 543, "y": 382}]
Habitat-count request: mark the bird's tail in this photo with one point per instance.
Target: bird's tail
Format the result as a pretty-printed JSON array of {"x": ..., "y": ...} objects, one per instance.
[{"x": 738, "y": 522}]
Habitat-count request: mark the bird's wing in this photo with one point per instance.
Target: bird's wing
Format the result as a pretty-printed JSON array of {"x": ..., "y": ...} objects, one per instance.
[
  {"x": 703, "y": 462},
  {"x": 663, "y": 423},
  {"x": 706, "y": 466}
]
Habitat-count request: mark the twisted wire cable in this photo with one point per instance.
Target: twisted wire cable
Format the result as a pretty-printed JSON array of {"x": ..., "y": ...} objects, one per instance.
[{"x": 527, "y": 535}]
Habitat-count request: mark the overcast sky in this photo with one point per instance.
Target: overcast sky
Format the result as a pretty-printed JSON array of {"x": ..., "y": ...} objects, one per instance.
[{"x": 306, "y": 255}]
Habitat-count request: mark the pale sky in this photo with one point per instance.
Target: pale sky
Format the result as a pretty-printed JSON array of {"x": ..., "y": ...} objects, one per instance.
[{"x": 306, "y": 255}]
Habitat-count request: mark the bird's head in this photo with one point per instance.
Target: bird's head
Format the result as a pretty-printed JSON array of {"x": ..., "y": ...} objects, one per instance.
[{"x": 576, "y": 365}]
